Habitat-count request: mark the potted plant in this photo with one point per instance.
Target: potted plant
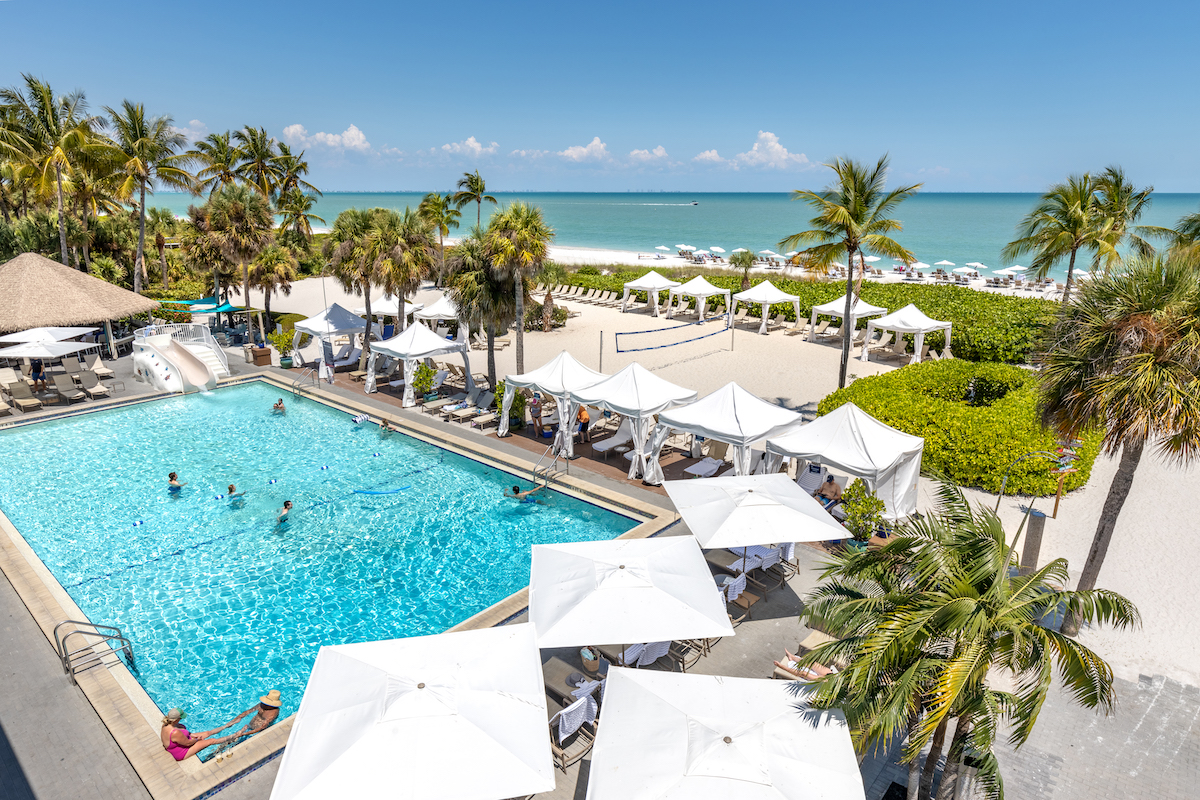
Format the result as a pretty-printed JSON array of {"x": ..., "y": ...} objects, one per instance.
[
  {"x": 864, "y": 513},
  {"x": 282, "y": 341},
  {"x": 423, "y": 382}
]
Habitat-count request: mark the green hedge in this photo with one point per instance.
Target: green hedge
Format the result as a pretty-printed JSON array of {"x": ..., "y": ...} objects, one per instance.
[
  {"x": 987, "y": 326},
  {"x": 976, "y": 419}
]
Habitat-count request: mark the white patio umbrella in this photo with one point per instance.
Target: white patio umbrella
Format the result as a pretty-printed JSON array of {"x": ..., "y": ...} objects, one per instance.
[
  {"x": 767, "y": 253},
  {"x": 1017, "y": 268},
  {"x": 791, "y": 253},
  {"x": 743, "y": 510},
  {"x": 46, "y": 334},
  {"x": 717, "y": 249},
  {"x": 662, "y": 247},
  {"x": 871, "y": 259},
  {"x": 702, "y": 252},
  {"x": 964, "y": 271},
  {"x": 741, "y": 250},
  {"x": 976, "y": 265},
  {"x": 621, "y": 591},
  {"x": 919, "y": 265},
  {"x": 49, "y": 350},
  {"x": 710, "y": 737},
  {"x": 397, "y": 718},
  {"x": 944, "y": 263},
  {"x": 688, "y": 247}
]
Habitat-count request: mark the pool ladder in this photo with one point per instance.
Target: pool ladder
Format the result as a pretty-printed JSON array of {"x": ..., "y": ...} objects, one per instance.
[
  {"x": 551, "y": 470},
  {"x": 107, "y": 640},
  {"x": 309, "y": 375}
]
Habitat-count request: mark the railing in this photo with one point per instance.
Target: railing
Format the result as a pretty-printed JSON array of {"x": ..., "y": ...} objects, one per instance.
[
  {"x": 92, "y": 652},
  {"x": 186, "y": 332},
  {"x": 308, "y": 375},
  {"x": 556, "y": 450}
]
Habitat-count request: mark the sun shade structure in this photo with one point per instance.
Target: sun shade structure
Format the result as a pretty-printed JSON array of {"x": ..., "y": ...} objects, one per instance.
[
  {"x": 558, "y": 378},
  {"x": 637, "y": 394},
  {"x": 745, "y": 510},
  {"x": 46, "y": 349},
  {"x": 442, "y": 308},
  {"x": 700, "y": 289},
  {"x": 333, "y": 321},
  {"x": 709, "y": 737},
  {"x": 767, "y": 294},
  {"x": 419, "y": 718},
  {"x": 415, "y": 343},
  {"x": 837, "y": 308},
  {"x": 651, "y": 283},
  {"x": 36, "y": 292},
  {"x": 388, "y": 306},
  {"x": 852, "y": 441},
  {"x": 909, "y": 319},
  {"x": 46, "y": 334},
  {"x": 622, "y": 592},
  {"x": 731, "y": 415}
]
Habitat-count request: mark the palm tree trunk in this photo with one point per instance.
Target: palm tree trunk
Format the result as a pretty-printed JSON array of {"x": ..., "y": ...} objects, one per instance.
[
  {"x": 400, "y": 307},
  {"x": 479, "y": 215},
  {"x": 139, "y": 264},
  {"x": 954, "y": 759},
  {"x": 217, "y": 291},
  {"x": 1070, "y": 274},
  {"x": 87, "y": 256},
  {"x": 442, "y": 253},
  {"x": 162, "y": 259},
  {"x": 366, "y": 348},
  {"x": 914, "y": 779},
  {"x": 1118, "y": 492},
  {"x": 931, "y": 760},
  {"x": 246, "y": 300},
  {"x": 491, "y": 343},
  {"x": 520, "y": 323},
  {"x": 62, "y": 222},
  {"x": 846, "y": 332}
]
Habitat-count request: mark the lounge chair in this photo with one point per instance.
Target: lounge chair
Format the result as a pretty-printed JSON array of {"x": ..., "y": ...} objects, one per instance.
[
  {"x": 739, "y": 317},
  {"x": 9, "y": 376},
  {"x": 822, "y": 326},
  {"x": 361, "y": 374},
  {"x": 778, "y": 321},
  {"x": 686, "y": 653},
  {"x": 349, "y": 360},
  {"x": 5, "y": 408},
  {"x": 91, "y": 384},
  {"x": 72, "y": 366},
  {"x": 468, "y": 402},
  {"x": 736, "y": 595},
  {"x": 712, "y": 462},
  {"x": 882, "y": 341},
  {"x": 480, "y": 408},
  {"x": 572, "y": 732},
  {"x": 799, "y": 329},
  {"x": 66, "y": 388},
  {"x": 483, "y": 420},
  {"x": 23, "y": 397},
  {"x": 898, "y": 350},
  {"x": 96, "y": 366},
  {"x": 438, "y": 405},
  {"x": 622, "y": 436}
]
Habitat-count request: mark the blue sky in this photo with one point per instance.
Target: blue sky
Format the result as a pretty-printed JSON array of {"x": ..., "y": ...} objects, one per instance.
[{"x": 691, "y": 96}]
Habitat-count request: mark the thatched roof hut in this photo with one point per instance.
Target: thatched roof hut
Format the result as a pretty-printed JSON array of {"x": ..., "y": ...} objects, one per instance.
[{"x": 36, "y": 292}]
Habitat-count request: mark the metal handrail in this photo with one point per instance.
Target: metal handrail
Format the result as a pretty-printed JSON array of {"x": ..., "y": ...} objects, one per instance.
[
  {"x": 186, "y": 332},
  {"x": 553, "y": 465},
  {"x": 307, "y": 372},
  {"x": 70, "y": 664}
]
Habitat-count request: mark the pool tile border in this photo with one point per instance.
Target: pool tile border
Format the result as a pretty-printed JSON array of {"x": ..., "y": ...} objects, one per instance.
[{"x": 123, "y": 705}]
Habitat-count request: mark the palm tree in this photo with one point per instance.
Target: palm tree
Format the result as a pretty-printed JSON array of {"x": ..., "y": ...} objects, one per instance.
[
  {"x": 852, "y": 218},
  {"x": 292, "y": 169},
  {"x": 241, "y": 224},
  {"x": 743, "y": 260},
  {"x": 1067, "y": 219},
  {"x": 925, "y": 618},
  {"x": 1121, "y": 205},
  {"x": 95, "y": 188},
  {"x": 163, "y": 224},
  {"x": 220, "y": 159},
  {"x": 442, "y": 214},
  {"x": 49, "y": 133},
  {"x": 275, "y": 268},
  {"x": 1125, "y": 357},
  {"x": 519, "y": 240},
  {"x": 151, "y": 148},
  {"x": 201, "y": 247},
  {"x": 402, "y": 248},
  {"x": 473, "y": 189},
  {"x": 295, "y": 209},
  {"x": 485, "y": 297},
  {"x": 353, "y": 263},
  {"x": 259, "y": 165}
]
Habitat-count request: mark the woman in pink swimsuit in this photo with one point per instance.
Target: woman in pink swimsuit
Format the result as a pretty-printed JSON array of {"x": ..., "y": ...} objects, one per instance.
[{"x": 179, "y": 743}]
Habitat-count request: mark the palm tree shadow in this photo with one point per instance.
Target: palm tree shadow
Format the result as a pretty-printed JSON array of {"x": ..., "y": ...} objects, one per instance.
[{"x": 12, "y": 777}]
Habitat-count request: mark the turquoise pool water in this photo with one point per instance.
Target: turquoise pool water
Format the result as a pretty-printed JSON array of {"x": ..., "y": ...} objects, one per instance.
[{"x": 222, "y": 603}]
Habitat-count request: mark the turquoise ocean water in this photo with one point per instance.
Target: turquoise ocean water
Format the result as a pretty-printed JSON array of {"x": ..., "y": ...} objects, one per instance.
[{"x": 953, "y": 227}]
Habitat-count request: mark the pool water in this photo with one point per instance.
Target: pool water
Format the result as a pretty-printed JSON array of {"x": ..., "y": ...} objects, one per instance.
[{"x": 220, "y": 601}]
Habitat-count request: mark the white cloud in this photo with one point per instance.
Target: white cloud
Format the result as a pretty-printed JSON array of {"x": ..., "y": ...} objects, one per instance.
[
  {"x": 350, "y": 139},
  {"x": 709, "y": 157},
  {"x": 194, "y": 130},
  {"x": 471, "y": 147},
  {"x": 648, "y": 155},
  {"x": 595, "y": 150},
  {"x": 768, "y": 153},
  {"x": 529, "y": 153}
]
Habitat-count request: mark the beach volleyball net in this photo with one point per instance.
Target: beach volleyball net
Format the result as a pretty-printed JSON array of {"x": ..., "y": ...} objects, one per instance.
[{"x": 684, "y": 333}]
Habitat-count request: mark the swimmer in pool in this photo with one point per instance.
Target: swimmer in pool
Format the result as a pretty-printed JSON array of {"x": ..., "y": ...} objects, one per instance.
[
  {"x": 279, "y": 408},
  {"x": 236, "y": 499},
  {"x": 517, "y": 494},
  {"x": 386, "y": 428},
  {"x": 173, "y": 484},
  {"x": 283, "y": 512}
]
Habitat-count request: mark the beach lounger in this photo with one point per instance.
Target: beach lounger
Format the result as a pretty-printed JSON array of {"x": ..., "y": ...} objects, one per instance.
[
  {"x": 623, "y": 436},
  {"x": 72, "y": 366},
  {"x": 96, "y": 366},
  {"x": 572, "y": 731},
  {"x": 897, "y": 350},
  {"x": 9, "y": 376},
  {"x": 437, "y": 405},
  {"x": 822, "y": 326},
  {"x": 22, "y": 397},
  {"x": 91, "y": 384},
  {"x": 686, "y": 653},
  {"x": 5, "y": 408},
  {"x": 737, "y": 596},
  {"x": 468, "y": 402},
  {"x": 65, "y": 386},
  {"x": 480, "y": 408},
  {"x": 712, "y": 462}
]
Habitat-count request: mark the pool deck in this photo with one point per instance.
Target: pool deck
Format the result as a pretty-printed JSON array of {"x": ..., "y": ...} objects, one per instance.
[{"x": 123, "y": 714}]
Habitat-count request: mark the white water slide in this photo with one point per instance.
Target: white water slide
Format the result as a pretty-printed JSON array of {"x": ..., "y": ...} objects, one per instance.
[{"x": 168, "y": 360}]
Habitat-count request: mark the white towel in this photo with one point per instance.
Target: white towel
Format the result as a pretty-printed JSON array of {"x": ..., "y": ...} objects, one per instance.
[
  {"x": 630, "y": 654},
  {"x": 653, "y": 652},
  {"x": 585, "y": 688},
  {"x": 573, "y": 717}
]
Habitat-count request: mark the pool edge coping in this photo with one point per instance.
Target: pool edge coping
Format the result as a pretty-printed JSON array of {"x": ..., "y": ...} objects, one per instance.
[{"x": 121, "y": 702}]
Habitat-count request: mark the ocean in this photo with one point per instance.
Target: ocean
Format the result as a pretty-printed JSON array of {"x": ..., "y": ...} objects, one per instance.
[{"x": 957, "y": 227}]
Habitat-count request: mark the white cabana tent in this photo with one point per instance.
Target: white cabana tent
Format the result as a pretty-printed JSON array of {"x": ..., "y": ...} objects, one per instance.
[
  {"x": 415, "y": 343},
  {"x": 700, "y": 289},
  {"x": 420, "y": 717},
  {"x": 442, "y": 308},
  {"x": 333, "y": 321},
  {"x": 389, "y": 306},
  {"x": 651, "y": 283},
  {"x": 767, "y": 294},
  {"x": 46, "y": 334},
  {"x": 637, "y": 394},
  {"x": 744, "y": 510},
  {"x": 711, "y": 737},
  {"x": 850, "y": 439},
  {"x": 623, "y": 591},
  {"x": 731, "y": 415},
  {"x": 909, "y": 319},
  {"x": 837, "y": 308},
  {"x": 558, "y": 378}
]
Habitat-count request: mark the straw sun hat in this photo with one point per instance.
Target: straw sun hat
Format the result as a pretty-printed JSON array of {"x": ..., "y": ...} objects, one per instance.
[{"x": 271, "y": 698}]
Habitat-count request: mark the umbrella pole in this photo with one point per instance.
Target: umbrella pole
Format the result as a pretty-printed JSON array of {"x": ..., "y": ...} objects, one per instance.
[{"x": 112, "y": 346}]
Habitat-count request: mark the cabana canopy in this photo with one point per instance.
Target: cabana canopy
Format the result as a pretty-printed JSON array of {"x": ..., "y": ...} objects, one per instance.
[
  {"x": 333, "y": 321},
  {"x": 389, "y": 306},
  {"x": 415, "y": 343},
  {"x": 700, "y": 289},
  {"x": 651, "y": 283},
  {"x": 909, "y": 319},
  {"x": 443, "y": 308},
  {"x": 851, "y": 440},
  {"x": 767, "y": 294},
  {"x": 46, "y": 334},
  {"x": 837, "y": 308},
  {"x": 637, "y": 393},
  {"x": 558, "y": 378},
  {"x": 46, "y": 349},
  {"x": 731, "y": 415}
]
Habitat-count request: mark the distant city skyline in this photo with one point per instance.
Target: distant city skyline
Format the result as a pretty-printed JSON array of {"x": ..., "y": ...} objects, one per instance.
[{"x": 652, "y": 97}]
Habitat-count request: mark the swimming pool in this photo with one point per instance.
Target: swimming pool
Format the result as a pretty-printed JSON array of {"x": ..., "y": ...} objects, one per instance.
[{"x": 221, "y": 602}]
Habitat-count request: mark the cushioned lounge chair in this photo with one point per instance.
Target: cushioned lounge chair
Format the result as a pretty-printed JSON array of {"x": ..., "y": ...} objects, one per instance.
[
  {"x": 91, "y": 385},
  {"x": 622, "y": 436},
  {"x": 467, "y": 402},
  {"x": 66, "y": 388},
  {"x": 22, "y": 397},
  {"x": 437, "y": 405},
  {"x": 96, "y": 366},
  {"x": 480, "y": 408}
]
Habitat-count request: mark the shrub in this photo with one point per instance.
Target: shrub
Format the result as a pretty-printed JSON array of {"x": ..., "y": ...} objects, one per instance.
[
  {"x": 976, "y": 420},
  {"x": 986, "y": 326},
  {"x": 589, "y": 270},
  {"x": 423, "y": 377},
  {"x": 281, "y": 341},
  {"x": 533, "y": 317},
  {"x": 517, "y": 411},
  {"x": 864, "y": 511},
  {"x": 288, "y": 321}
]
